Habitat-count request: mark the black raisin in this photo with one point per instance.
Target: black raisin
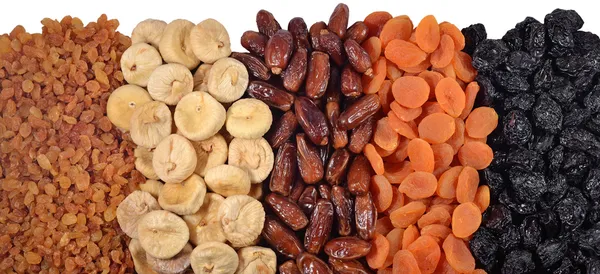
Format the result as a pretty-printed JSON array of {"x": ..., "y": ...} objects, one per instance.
[
  {"x": 518, "y": 262},
  {"x": 527, "y": 185},
  {"x": 547, "y": 114},
  {"x": 551, "y": 251},
  {"x": 474, "y": 34},
  {"x": 516, "y": 128},
  {"x": 484, "y": 246}
]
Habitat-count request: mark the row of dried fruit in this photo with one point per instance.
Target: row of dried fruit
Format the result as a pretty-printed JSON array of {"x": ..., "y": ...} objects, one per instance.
[{"x": 380, "y": 132}]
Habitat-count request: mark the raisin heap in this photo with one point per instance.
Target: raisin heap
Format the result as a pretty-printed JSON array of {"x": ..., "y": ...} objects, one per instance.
[{"x": 545, "y": 177}]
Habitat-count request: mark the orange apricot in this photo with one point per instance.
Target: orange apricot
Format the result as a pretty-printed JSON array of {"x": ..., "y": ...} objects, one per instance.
[
  {"x": 443, "y": 55},
  {"x": 450, "y": 96},
  {"x": 448, "y": 181},
  {"x": 406, "y": 129},
  {"x": 443, "y": 155},
  {"x": 457, "y": 36},
  {"x": 427, "y": 34},
  {"x": 418, "y": 185},
  {"x": 405, "y": 263},
  {"x": 396, "y": 28},
  {"x": 394, "y": 237},
  {"x": 466, "y": 219},
  {"x": 405, "y": 114},
  {"x": 381, "y": 189},
  {"x": 466, "y": 185},
  {"x": 458, "y": 254},
  {"x": 482, "y": 197},
  {"x": 411, "y": 233},
  {"x": 420, "y": 155},
  {"x": 437, "y": 215},
  {"x": 463, "y": 68},
  {"x": 410, "y": 91},
  {"x": 436, "y": 128},
  {"x": 427, "y": 253},
  {"x": 404, "y": 54},
  {"x": 470, "y": 94},
  {"x": 380, "y": 248},
  {"x": 376, "y": 20},
  {"x": 475, "y": 154},
  {"x": 481, "y": 122},
  {"x": 408, "y": 214},
  {"x": 374, "y": 158}
]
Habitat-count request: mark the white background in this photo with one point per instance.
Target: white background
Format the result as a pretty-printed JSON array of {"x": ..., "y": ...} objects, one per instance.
[{"x": 498, "y": 16}]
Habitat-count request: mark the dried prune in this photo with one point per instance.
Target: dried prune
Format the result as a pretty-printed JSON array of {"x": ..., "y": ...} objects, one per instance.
[
  {"x": 551, "y": 251},
  {"x": 528, "y": 185},
  {"x": 518, "y": 262},
  {"x": 484, "y": 246}
]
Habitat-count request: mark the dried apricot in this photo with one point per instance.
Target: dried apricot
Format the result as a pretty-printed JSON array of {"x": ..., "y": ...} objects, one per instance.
[
  {"x": 432, "y": 78},
  {"x": 427, "y": 253},
  {"x": 386, "y": 97},
  {"x": 482, "y": 197},
  {"x": 405, "y": 114},
  {"x": 463, "y": 68},
  {"x": 380, "y": 248},
  {"x": 466, "y": 185},
  {"x": 376, "y": 20},
  {"x": 400, "y": 153},
  {"x": 396, "y": 28},
  {"x": 405, "y": 263},
  {"x": 411, "y": 233},
  {"x": 457, "y": 36},
  {"x": 418, "y": 185},
  {"x": 470, "y": 95},
  {"x": 397, "y": 201},
  {"x": 443, "y": 155},
  {"x": 438, "y": 231},
  {"x": 374, "y": 158},
  {"x": 393, "y": 72},
  {"x": 384, "y": 136},
  {"x": 394, "y": 237},
  {"x": 371, "y": 84},
  {"x": 466, "y": 219},
  {"x": 396, "y": 172},
  {"x": 420, "y": 155},
  {"x": 437, "y": 215},
  {"x": 381, "y": 189},
  {"x": 450, "y": 96},
  {"x": 448, "y": 181},
  {"x": 458, "y": 139},
  {"x": 436, "y": 128},
  {"x": 481, "y": 122},
  {"x": 475, "y": 154},
  {"x": 373, "y": 47},
  {"x": 404, "y": 54},
  {"x": 458, "y": 254},
  {"x": 406, "y": 129},
  {"x": 443, "y": 55},
  {"x": 410, "y": 91},
  {"x": 427, "y": 34},
  {"x": 408, "y": 214}
]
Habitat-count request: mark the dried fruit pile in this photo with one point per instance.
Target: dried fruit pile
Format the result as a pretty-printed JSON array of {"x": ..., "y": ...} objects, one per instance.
[
  {"x": 544, "y": 180},
  {"x": 200, "y": 200},
  {"x": 427, "y": 148},
  {"x": 309, "y": 198},
  {"x": 64, "y": 167}
]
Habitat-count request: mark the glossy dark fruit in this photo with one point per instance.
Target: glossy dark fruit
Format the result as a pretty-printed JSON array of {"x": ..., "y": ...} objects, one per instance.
[
  {"x": 255, "y": 65},
  {"x": 360, "y": 111},
  {"x": 308, "y": 199},
  {"x": 271, "y": 95},
  {"x": 318, "y": 75},
  {"x": 319, "y": 229},
  {"x": 359, "y": 175},
  {"x": 358, "y": 57},
  {"x": 337, "y": 166},
  {"x": 282, "y": 129},
  {"x": 299, "y": 31},
  {"x": 347, "y": 248},
  {"x": 278, "y": 51},
  {"x": 287, "y": 211},
  {"x": 293, "y": 76},
  {"x": 266, "y": 23},
  {"x": 281, "y": 238},
  {"x": 338, "y": 21},
  {"x": 312, "y": 121},
  {"x": 365, "y": 215},
  {"x": 309, "y": 263},
  {"x": 344, "y": 209},
  {"x": 284, "y": 169},
  {"x": 254, "y": 42},
  {"x": 358, "y": 32},
  {"x": 361, "y": 135}
]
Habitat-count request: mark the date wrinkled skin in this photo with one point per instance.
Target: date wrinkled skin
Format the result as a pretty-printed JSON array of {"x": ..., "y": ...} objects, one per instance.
[
  {"x": 324, "y": 153},
  {"x": 347, "y": 266},
  {"x": 361, "y": 135},
  {"x": 359, "y": 175},
  {"x": 255, "y": 65},
  {"x": 299, "y": 31},
  {"x": 344, "y": 209},
  {"x": 312, "y": 121},
  {"x": 339, "y": 137},
  {"x": 318, "y": 75},
  {"x": 284, "y": 169},
  {"x": 330, "y": 43},
  {"x": 310, "y": 165},
  {"x": 365, "y": 216},
  {"x": 351, "y": 82},
  {"x": 308, "y": 199},
  {"x": 254, "y": 42},
  {"x": 287, "y": 211},
  {"x": 279, "y": 51},
  {"x": 266, "y": 23},
  {"x": 295, "y": 73},
  {"x": 332, "y": 94},
  {"x": 347, "y": 248},
  {"x": 319, "y": 228},
  {"x": 358, "y": 32},
  {"x": 359, "y": 111},
  {"x": 325, "y": 191},
  {"x": 338, "y": 21},
  {"x": 337, "y": 166},
  {"x": 297, "y": 190},
  {"x": 282, "y": 129},
  {"x": 358, "y": 57},
  {"x": 311, "y": 264},
  {"x": 289, "y": 267},
  {"x": 314, "y": 32},
  {"x": 281, "y": 238},
  {"x": 271, "y": 95}
]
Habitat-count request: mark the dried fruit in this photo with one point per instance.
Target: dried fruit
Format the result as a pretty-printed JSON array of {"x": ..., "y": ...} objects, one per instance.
[
  {"x": 162, "y": 234},
  {"x": 242, "y": 218}
]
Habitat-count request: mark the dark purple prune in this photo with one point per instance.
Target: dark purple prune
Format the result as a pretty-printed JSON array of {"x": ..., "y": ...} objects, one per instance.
[
  {"x": 576, "y": 117},
  {"x": 488, "y": 95},
  {"x": 299, "y": 31},
  {"x": 592, "y": 100},
  {"x": 593, "y": 216},
  {"x": 550, "y": 252},
  {"x": 510, "y": 238},
  {"x": 266, "y": 23},
  {"x": 589, "y": 240},
  {"x": 508, "y": 197},
  {"x": 495, "y": 181},
  {"x": 580, "y": 140},
  {"x": 565, "y": 267},
  {"x": 484, "y": 246},
  {"x": 549, "y": 223},
  {"x": 556, "y": 186},
  {"x": 566, "y": 19},
  {"x": 586, "y": 41},
  {"x": 489, "y": 55},
  {"x": 498, "y": 217},
  {"x": 535, "y": 39},
  {"x": 571, "y": 210},
  {"x": 522, "y": 63},
  {"x": 518, "y": 262},
  {"x": 591, "y": 185},
  {"x": 526, "y": 158},
  {"x": 544, "y": 77},
  {"x": 531, "y": 232},
  {"x": 522, "y": 101},
  {"x": 517, "y": 129},
  {"x": 575, "y": 166},
  {"x": 542, "y": 143},
  {"x": 511, "y": 82},
  {"x": 547, "y": 114},
  {"x": 513, "y": 39},
  {"x": 555, "y": 157},
  {"x": 570, "y": 65},
  {"x": 474, "y": 35},
  {"x": 593, "y": 124}
]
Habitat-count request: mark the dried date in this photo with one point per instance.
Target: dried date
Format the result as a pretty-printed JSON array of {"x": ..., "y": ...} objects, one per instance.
[
  {"x": 337, "y": 166},
  {"x": 332, "y": 93},
  {"x": 266, "y": 23},
  {"x": 308, "y": 199},
  {"x": 338, "y": 21},
  {"x": 299, "y": 31},
  {"x": 281, "y": 238},
  {"x": 319, "y": 229},
  {"x": 365, "y": 216},
  {"x": 344, "y": 209},
  {"x": 358, "y": 32},
  {"x": 295, "y": 73},
  {"x": 347, "y": 248},
  {"x": 325, "y": 191},
  {"x": 284, "y": 169},
  {"x": 271, "y": 95},
  {"x": 287, "y": 211},
  {"x": 255, "y": 65},
  {"x": 279, "y": 51},
  {"x": 359, "y": 111},
  {"x": 283, "y": 129},
  {"x": 330, "y": 43},
  {"x": 254, "y": 42},
  {"x": 347, "y": 266},
  {"x": 315, "y": 31},
  {"x": 361, "y": 135},
  {"x": 358, "y": 57},
  {"x": 312, "y": 121},
  {"x": 359, "y": 175},
  {"x": 311, "y": 264},
  {"x": 339, "y": 137},
  {"x": 310, "y": 165},
  {"x": 318, "y": 75},
  {"x": 289, "y": 267},
  {"x": 351, "y": 82},
  {"x": 297, "y": 190}
]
